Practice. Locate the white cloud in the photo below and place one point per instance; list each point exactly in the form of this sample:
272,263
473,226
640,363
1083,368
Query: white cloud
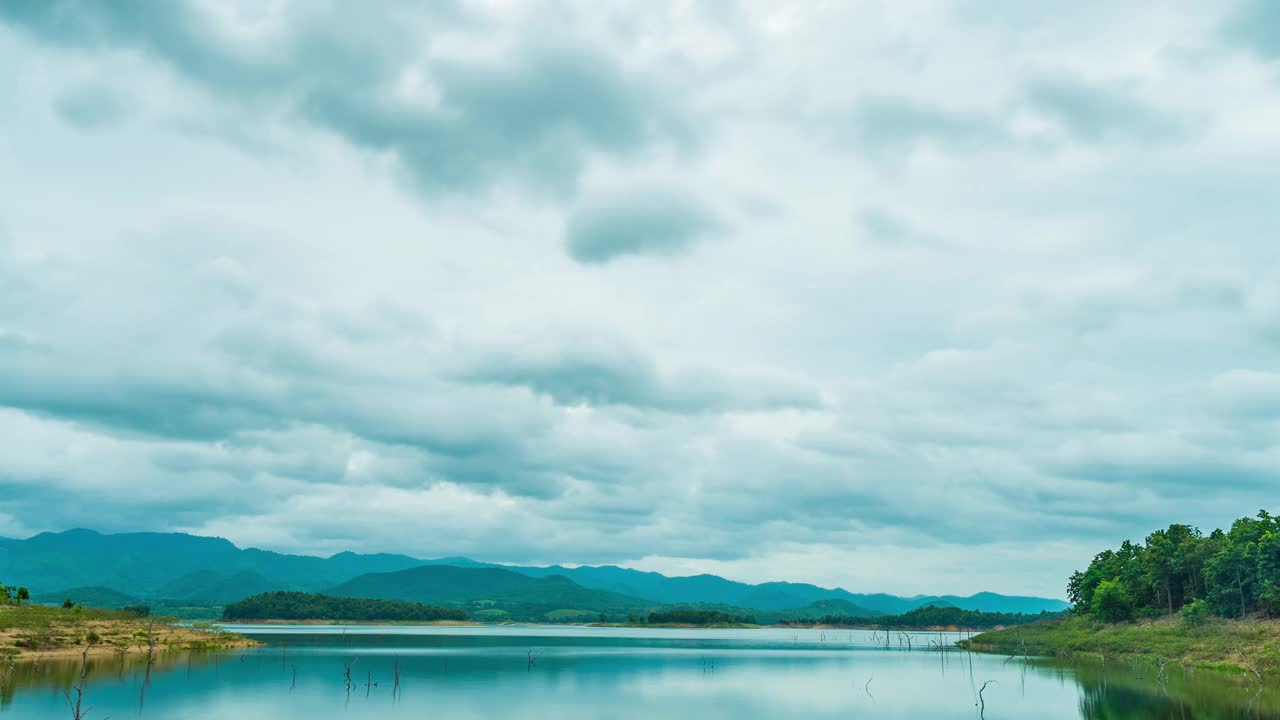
984,283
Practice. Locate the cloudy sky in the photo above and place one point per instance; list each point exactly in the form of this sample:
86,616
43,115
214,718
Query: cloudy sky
900,296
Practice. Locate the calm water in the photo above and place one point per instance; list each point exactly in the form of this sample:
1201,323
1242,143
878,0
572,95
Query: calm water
579,672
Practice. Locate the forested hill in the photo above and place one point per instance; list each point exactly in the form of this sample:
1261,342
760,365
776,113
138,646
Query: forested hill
309,606
1231,573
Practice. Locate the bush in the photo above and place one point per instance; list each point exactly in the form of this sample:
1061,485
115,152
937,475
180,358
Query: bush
1111,602
1194,613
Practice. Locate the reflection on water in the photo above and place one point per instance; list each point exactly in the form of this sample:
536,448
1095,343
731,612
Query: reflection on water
309,672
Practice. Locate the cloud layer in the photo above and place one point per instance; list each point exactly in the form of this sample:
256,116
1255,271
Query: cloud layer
898,297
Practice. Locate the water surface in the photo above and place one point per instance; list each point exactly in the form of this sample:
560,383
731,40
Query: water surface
585,672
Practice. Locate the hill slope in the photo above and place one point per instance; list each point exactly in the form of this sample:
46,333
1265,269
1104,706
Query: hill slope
150,564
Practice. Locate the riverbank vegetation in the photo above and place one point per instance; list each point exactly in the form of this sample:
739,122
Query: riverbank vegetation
1181,595
928,618
1241,645
1233,573
310,606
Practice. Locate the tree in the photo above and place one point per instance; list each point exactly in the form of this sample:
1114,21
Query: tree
6,593
23,595
1234,573
67,604
1111,602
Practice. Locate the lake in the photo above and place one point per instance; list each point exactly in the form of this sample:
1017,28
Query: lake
585,672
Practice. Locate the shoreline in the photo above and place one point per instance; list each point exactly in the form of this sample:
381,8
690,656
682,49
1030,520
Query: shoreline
41,633
1250,646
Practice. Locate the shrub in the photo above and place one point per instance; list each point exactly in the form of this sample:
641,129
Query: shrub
1194,613
1111,602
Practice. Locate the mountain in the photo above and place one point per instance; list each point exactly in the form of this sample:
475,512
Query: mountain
774,596
147,564
211,586
991,602
89,596
175,566
492,593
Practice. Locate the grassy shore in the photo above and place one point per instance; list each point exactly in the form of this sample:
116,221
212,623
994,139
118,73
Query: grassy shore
36,631
1232,645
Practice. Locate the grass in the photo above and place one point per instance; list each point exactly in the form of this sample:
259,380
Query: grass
1228,645
46,631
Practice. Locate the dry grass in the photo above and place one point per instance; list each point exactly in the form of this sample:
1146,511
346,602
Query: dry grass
44,632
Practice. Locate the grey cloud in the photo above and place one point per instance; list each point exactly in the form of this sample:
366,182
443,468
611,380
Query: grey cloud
1094,113
536,115
889,228
639,223
599,375
533,115
1256,26
897,123
90,108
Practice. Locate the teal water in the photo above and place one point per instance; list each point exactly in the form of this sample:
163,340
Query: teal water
583,672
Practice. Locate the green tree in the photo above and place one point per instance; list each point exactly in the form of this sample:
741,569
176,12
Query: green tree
67,604
23,595
1234,573
1111,602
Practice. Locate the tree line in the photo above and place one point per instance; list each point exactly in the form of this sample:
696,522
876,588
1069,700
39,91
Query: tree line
1235,573
929,616
283,605
693,616
13,593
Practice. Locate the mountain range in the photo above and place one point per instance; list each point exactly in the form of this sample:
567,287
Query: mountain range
179,568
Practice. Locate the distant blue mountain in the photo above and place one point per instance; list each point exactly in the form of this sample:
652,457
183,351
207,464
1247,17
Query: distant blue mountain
775,595
177,566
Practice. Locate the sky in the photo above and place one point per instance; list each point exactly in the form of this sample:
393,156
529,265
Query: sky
911,297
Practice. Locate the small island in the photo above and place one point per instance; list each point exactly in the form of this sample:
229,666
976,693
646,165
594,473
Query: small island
284,607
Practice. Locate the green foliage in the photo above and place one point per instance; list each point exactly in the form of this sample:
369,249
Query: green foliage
283,605
1111,602
929,616
1234,573
1194,613
68,604
693,616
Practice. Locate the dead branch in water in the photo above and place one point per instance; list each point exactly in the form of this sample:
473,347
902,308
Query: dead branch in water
1252,669
77,711
982,703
